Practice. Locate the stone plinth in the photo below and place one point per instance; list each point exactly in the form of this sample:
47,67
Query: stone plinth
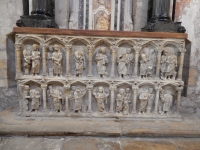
98,74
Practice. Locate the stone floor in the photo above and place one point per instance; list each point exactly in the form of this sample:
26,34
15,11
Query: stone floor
85,143
97,134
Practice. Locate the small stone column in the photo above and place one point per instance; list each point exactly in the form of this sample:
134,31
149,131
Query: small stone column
137,50
89,88
135,89
68,48
90,50
114,49
67,87
44,89
44,59
158,89
18,59
158,64
180,70
112,88
179,90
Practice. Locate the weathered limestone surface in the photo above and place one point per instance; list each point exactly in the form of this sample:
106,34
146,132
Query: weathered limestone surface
72,143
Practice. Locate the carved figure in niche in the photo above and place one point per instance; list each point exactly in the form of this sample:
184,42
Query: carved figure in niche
101,97
120,100
102,22
35,60
77,95
25,98
57,99
147,63
143,98
168,65
124,64
150,100
102,62
35,97
167,100
127,101
101,2
57,61
50,98
80,63
27,61
50,62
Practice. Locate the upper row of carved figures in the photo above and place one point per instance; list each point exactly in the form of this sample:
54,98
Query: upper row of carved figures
102,63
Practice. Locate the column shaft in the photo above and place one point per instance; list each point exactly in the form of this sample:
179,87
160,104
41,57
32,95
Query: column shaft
89,100
67,104
135,73
44,89
44,60
112,74
134,102
178,101
112,98
156,102
18,60
90,63
158,64
180,70
68,48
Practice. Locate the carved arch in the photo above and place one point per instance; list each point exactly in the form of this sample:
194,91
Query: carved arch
176,44
32,81
33,38
147,83
152,43
82,40
130,42
122,83
79,82
101,82
57,82
55,39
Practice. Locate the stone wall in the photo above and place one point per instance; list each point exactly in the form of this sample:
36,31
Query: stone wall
187,11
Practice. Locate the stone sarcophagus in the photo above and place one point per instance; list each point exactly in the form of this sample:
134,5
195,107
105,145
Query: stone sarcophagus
98,73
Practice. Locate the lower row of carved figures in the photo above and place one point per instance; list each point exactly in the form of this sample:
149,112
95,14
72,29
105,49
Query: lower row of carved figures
123,100
124,61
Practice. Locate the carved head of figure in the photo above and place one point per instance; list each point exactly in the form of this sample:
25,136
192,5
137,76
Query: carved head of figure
121,91
51,49
151,90
101,90
128,90
103,50
26,87
143,56
73,88
128,51
35,47
56,48
165,52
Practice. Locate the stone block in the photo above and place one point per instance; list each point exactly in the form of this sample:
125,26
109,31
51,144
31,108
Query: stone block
192,81
3,74
3,64
3,55
3,82
192,73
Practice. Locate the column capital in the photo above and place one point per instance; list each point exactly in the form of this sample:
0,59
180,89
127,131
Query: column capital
158,87
18,46
114,48
44,86
137,48
135,86
89,87
68,47
67,86
113,87
179,88
44,45
182,50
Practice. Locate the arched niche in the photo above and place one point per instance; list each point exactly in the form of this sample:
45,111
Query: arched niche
79,56
148,60
49,52
105,85
98,46
124,62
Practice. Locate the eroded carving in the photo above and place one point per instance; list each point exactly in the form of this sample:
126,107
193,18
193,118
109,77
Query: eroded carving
57,61
35,60
35,100
80,63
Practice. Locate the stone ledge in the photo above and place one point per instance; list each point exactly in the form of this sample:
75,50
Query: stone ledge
13,125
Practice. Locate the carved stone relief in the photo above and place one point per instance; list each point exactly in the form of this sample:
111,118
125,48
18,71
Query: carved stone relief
99,77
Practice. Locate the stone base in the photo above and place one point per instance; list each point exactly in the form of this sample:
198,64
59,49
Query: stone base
36,21
164,26
13,125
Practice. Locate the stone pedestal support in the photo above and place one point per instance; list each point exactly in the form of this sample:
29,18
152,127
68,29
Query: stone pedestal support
158,64
180,70
44,90
44,60
113,88
89,88
18,58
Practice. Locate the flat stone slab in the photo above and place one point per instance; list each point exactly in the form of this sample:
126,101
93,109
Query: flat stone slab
85,143
13,125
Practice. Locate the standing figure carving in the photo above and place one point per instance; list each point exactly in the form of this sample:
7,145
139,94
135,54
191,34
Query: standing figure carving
167,100
147,64
27,61
150,100
57,61
101,97
127,101
35,60
50,62
26,98
168,66
35,97
80,63
78,97
57,100
143,98
120,100
124,64
102,62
